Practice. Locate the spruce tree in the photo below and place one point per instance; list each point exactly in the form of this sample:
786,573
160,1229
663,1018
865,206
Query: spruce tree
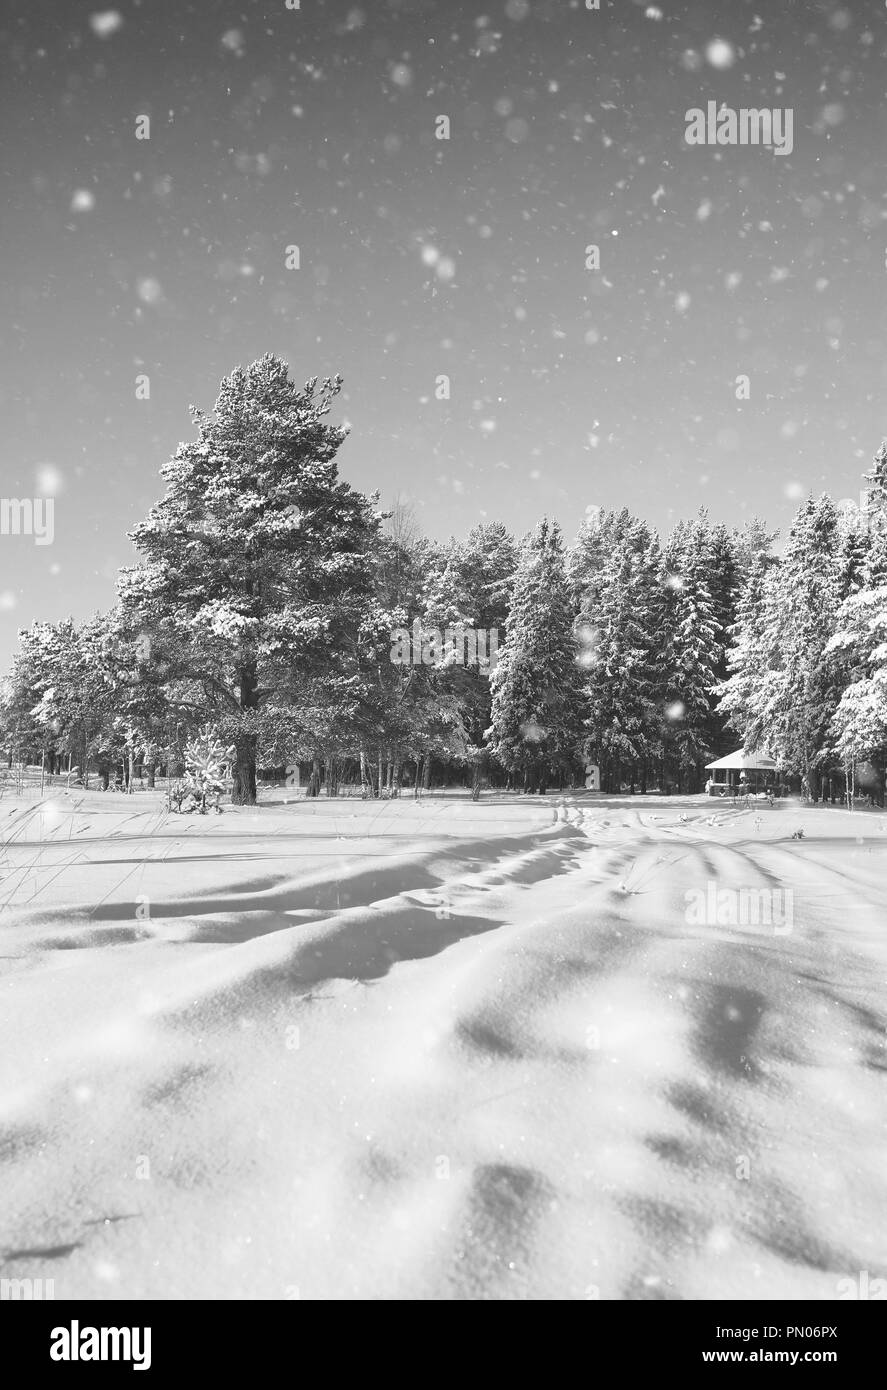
622,631
537,706
694,652
860,643
786,684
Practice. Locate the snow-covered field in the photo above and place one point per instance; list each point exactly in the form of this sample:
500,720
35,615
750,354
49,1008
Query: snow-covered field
448,1050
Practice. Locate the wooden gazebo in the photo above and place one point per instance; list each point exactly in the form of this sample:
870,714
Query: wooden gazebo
757,769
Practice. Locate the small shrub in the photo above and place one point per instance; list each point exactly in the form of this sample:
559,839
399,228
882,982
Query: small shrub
207,763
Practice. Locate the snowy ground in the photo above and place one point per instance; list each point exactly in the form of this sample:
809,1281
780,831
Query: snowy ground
342,1050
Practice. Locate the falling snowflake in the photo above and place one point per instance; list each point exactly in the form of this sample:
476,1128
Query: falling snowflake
233,40
149,291
589,641
720,53
531,731
105,23
49,480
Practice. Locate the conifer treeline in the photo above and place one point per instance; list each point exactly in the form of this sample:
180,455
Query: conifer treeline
269,591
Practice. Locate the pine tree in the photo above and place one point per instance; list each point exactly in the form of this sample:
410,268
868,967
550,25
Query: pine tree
621,628
537,688
860,642
742,696
68,691
468,590
786,686
256,567
695,650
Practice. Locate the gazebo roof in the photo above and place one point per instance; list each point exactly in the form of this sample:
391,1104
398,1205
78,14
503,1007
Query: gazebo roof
742,760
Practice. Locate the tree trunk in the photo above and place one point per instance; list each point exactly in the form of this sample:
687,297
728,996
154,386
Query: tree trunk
366,790
244,792
332,777
151,770
426,773
313,788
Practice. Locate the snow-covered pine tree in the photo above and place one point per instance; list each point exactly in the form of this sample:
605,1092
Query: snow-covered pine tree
694,650
786,685
488,563
537,708
725,583
589,555
860,645
256,557
64,670
750,541
468,590
751,657
619,579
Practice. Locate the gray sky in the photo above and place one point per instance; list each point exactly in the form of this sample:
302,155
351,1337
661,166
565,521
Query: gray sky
269,127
